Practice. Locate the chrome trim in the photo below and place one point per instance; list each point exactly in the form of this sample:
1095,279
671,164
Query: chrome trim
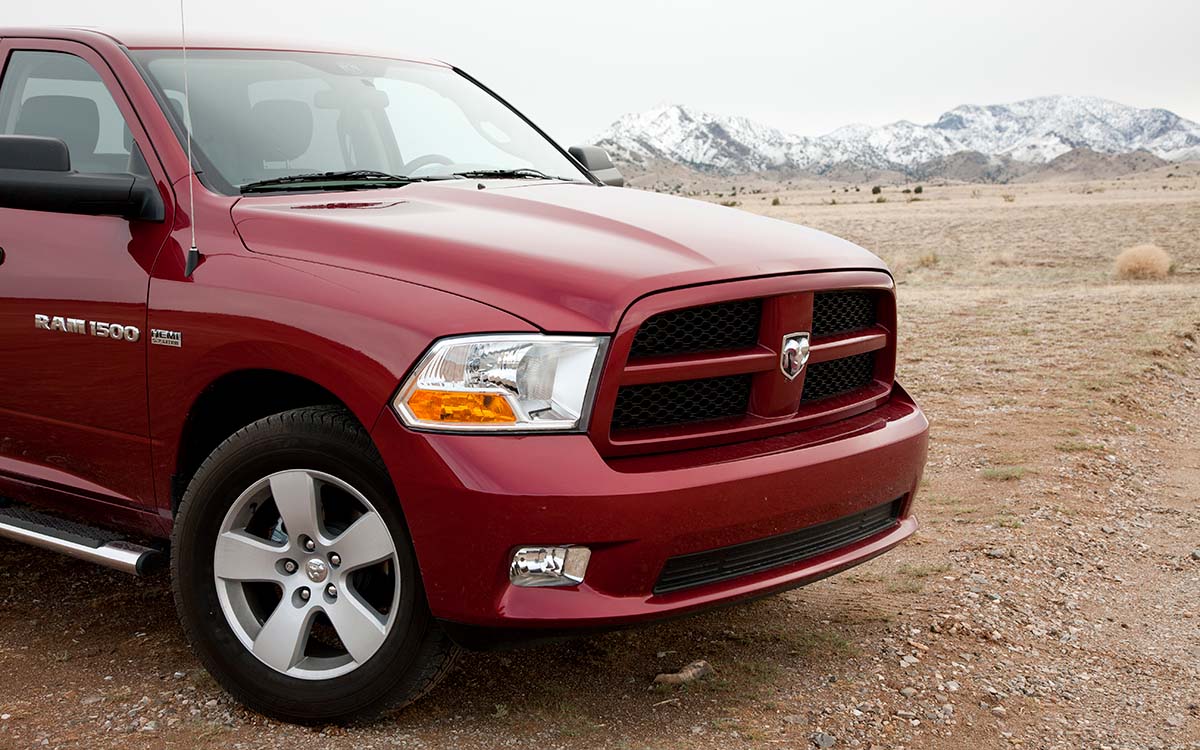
126,557
794,354
549,566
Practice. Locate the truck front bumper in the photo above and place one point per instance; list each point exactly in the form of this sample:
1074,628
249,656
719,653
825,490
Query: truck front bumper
471,500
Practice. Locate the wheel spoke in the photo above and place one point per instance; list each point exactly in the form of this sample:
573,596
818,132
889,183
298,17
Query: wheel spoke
284,635
318,581
361,630
366,542
241,557
295,494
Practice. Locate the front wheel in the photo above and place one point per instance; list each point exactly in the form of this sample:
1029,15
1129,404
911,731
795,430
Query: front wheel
294,575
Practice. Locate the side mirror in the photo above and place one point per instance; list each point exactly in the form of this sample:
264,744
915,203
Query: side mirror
36,175
597,161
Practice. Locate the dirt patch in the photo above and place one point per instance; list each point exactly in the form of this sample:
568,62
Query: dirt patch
1049,600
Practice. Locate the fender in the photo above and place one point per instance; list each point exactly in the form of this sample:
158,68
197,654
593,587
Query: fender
353,334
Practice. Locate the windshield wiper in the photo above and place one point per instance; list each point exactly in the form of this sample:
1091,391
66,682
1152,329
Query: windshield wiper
358,177
508,174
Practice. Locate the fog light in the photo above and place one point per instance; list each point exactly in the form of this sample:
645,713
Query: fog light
549,566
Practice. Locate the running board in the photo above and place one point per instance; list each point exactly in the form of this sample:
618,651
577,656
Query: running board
75,539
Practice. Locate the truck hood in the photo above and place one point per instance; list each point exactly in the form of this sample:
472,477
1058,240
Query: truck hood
564,256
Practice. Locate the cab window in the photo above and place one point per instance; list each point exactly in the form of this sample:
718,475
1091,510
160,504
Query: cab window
59,95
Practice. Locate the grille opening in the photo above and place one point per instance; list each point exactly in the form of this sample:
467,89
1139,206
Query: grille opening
842,312
838,376
724,563
725,326
658,404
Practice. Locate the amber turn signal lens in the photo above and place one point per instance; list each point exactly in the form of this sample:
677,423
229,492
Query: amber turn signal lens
460,407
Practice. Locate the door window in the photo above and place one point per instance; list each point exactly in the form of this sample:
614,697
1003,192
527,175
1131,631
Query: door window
59,95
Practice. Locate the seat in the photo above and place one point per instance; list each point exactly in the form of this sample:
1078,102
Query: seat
284,128
73,119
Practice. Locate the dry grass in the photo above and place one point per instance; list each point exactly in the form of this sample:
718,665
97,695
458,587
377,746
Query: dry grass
1004,473
1143,262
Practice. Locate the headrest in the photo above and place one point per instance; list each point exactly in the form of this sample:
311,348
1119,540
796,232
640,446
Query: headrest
74,119
284,128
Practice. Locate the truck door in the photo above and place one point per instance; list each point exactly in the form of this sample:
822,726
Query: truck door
73,288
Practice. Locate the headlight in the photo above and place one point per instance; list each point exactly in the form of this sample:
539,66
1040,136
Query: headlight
512,382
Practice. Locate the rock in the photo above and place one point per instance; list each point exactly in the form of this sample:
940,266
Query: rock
794,719
908,692
952,686
999,711
1196,554
697,670
996,554
820,739
906,714
5,717
1175,720
91,700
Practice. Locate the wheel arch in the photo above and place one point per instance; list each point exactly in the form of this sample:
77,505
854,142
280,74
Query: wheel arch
235,399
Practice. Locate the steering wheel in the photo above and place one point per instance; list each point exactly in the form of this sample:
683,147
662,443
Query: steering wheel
425,161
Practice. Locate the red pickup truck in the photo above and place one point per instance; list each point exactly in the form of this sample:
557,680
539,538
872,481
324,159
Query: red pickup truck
393,373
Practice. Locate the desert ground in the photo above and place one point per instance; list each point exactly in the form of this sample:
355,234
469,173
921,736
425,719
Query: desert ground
1050,600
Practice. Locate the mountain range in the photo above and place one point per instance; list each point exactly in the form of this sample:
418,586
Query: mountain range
1033,131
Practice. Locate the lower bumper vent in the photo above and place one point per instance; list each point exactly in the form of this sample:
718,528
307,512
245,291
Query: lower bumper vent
712,566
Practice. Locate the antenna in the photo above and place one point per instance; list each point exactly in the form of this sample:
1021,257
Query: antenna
193,256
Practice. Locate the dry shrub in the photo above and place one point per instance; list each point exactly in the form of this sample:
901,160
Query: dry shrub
1143,262
927,260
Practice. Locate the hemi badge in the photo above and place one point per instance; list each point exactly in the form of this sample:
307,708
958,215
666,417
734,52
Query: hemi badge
166,338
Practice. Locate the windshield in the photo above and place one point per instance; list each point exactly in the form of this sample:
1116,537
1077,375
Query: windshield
260,116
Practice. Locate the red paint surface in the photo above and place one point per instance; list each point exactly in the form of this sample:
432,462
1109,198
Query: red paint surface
347,292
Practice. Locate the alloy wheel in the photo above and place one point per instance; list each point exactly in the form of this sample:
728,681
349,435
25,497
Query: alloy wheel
306,574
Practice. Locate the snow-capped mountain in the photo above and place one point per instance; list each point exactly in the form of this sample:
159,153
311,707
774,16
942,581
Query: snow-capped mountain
1034,130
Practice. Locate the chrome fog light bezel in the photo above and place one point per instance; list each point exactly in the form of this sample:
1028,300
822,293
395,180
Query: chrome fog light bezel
535,567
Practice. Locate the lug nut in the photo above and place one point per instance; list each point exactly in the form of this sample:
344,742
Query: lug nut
331,590
309,544
289,566
304,595
335,559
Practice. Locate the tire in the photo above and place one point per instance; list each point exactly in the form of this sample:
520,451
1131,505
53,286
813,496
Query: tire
226,523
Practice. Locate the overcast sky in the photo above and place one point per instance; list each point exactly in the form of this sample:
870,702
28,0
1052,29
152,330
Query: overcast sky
806,67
